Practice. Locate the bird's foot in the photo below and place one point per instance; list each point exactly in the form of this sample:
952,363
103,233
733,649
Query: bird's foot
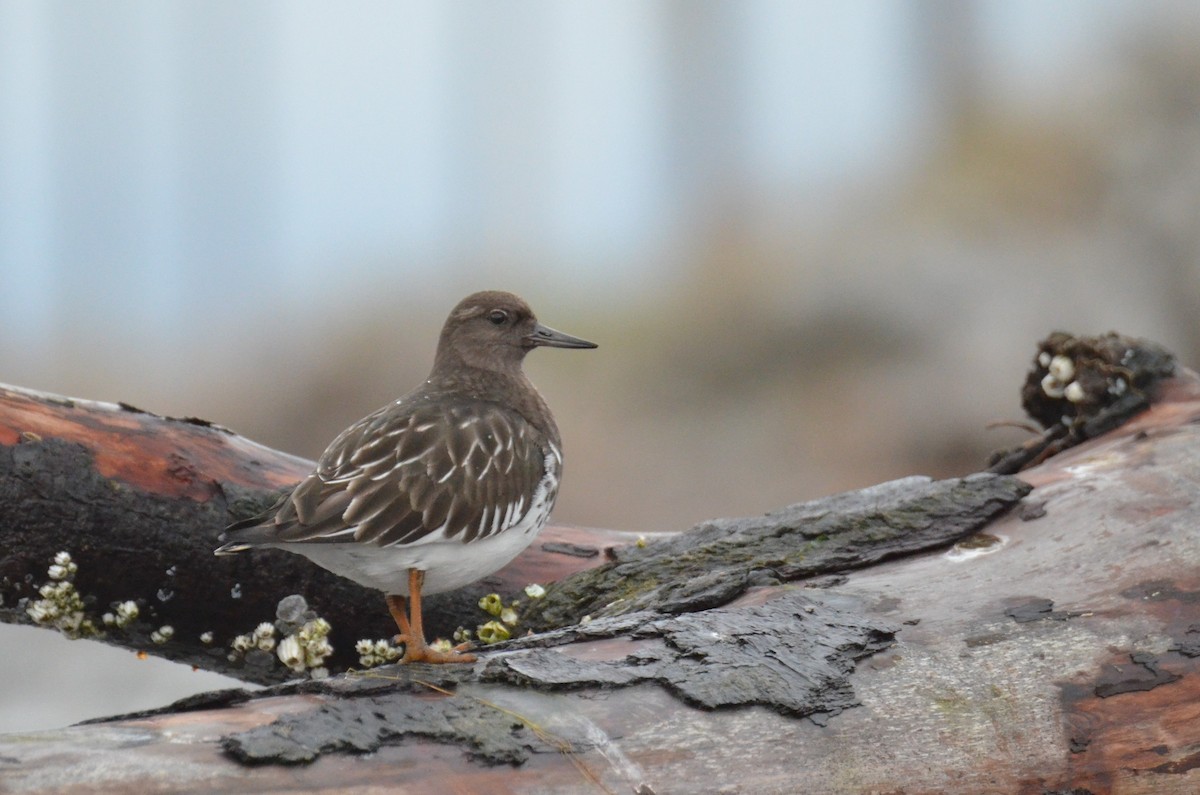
420,651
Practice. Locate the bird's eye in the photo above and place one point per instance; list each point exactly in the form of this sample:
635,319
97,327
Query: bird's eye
498,317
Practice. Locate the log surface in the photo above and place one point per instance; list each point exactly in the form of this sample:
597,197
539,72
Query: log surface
1057,650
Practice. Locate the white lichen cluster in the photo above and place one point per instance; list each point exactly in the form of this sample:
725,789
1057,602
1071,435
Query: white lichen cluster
307,649
162,634
61,606
376,652
63,568
1059,378
263,637
1060,381
304,646
124,614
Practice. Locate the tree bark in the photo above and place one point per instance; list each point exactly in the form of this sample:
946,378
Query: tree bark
1056,650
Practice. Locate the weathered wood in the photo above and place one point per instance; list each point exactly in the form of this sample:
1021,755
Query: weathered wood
138,500
717,561
1055,651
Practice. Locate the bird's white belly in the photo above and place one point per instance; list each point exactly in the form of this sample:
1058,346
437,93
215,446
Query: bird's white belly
447,564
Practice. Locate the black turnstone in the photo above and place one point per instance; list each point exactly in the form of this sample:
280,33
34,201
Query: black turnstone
439,488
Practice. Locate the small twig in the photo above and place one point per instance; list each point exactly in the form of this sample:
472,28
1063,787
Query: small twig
1024,426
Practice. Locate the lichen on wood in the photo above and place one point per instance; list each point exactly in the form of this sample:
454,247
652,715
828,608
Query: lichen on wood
716,561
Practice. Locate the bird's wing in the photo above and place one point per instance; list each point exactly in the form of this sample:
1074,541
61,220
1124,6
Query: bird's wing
438,471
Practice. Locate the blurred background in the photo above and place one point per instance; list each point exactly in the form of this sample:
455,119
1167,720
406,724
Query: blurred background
816,242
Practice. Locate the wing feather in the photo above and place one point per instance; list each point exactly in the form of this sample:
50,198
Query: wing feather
399,475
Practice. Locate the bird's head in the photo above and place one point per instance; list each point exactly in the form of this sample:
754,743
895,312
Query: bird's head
493,330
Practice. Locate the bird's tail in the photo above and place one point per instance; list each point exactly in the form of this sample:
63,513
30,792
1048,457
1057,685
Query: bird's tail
232,548
239,536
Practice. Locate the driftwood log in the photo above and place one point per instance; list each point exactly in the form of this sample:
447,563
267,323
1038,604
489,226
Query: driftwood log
138,501
918,636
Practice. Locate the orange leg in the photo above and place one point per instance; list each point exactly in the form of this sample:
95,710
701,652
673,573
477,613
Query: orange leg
412,630
399,610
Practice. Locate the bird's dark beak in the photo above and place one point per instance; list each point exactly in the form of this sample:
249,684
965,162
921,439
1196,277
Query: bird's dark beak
544,335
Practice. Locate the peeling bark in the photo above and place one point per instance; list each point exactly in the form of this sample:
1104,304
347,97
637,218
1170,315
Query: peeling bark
715,562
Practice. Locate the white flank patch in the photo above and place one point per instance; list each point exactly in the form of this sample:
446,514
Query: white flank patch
448,564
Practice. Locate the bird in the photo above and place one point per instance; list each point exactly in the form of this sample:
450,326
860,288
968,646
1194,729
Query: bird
440,487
